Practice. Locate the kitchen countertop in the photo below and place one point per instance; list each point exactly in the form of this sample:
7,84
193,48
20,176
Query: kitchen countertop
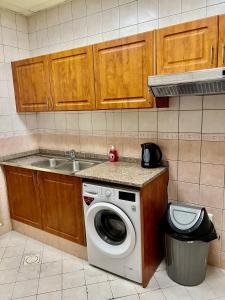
125,173
122,172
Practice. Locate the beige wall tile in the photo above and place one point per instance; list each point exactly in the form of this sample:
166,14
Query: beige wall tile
214,258
130,121
86,143
216,245
211,196
169,149
173,169
85,120
99,145
172,190
213,152
214,102
147,121
131,148
188,192
114,120
223,220
217,216
191,103
190,121
212,175
223,240
188,172
189,150
213,121
98,121
168,121
222,260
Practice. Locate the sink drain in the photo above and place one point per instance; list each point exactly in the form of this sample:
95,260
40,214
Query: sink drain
31,259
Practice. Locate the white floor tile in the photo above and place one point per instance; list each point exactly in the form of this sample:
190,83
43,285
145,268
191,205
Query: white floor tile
25,288
201,292
8,276
163,279
50,296
153,295
10,263
176,293
62,276
51,268
122,288
72,265
100,291
28,298
218,286
71,280
13,251
153,285
75,293
2,250
94,275
132,297
51,254
28,272
50,284
6,291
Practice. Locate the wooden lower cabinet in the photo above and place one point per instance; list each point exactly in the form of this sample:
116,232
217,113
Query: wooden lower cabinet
62,211
48,201
23,197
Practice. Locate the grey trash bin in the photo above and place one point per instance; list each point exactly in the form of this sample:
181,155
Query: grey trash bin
188,231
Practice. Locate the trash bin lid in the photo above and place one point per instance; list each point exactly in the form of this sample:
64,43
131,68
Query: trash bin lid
184,217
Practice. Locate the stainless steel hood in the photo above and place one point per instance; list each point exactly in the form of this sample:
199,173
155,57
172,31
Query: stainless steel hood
203,82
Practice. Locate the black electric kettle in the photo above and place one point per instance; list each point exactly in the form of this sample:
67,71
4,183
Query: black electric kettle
151,155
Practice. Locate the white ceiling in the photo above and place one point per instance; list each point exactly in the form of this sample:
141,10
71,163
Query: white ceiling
28,7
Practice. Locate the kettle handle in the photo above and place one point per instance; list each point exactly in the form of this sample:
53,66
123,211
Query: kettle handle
160,153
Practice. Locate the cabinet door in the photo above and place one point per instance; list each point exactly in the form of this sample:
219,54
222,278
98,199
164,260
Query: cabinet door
61,202
31,84
121,70
189,46
23,197
221,49
72,79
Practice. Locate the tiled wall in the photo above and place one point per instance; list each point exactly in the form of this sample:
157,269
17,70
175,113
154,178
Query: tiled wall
16,130
191,132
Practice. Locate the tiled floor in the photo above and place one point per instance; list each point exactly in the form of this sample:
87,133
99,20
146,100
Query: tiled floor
58,275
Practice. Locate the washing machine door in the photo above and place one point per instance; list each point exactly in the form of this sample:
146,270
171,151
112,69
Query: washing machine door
110,230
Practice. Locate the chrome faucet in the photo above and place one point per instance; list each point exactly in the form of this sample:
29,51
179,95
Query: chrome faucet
71,154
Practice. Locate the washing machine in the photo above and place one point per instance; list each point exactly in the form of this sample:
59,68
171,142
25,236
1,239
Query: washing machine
113,229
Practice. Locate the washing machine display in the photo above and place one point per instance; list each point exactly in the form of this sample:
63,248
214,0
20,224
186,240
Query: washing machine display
112,221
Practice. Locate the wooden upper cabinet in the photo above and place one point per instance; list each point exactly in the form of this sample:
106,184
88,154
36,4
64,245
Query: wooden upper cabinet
23,196
31,84
121,70
188,46
221,48
61,201
72,79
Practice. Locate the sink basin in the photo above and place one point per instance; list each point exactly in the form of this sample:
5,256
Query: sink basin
75,166
50,163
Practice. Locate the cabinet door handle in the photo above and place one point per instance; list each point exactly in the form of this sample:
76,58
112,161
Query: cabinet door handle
223,46
211,54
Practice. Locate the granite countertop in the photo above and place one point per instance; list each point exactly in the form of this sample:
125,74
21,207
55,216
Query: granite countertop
125,173
128,173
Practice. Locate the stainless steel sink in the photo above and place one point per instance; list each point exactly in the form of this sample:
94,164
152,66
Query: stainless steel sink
64,165
74,166
50,163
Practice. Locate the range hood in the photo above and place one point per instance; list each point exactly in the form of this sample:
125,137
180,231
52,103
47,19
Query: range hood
203,82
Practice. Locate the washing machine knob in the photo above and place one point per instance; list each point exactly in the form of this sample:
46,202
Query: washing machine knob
108,193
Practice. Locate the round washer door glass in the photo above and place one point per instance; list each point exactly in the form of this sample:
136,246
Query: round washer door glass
110,230
110,227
